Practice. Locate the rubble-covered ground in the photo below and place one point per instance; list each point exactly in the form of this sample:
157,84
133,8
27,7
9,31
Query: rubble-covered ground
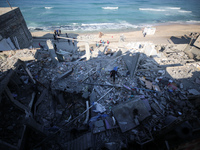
63,100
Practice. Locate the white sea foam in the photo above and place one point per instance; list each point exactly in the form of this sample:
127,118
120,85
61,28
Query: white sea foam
48,7
151,9
175,8
109,7
193,21
97,26
184,11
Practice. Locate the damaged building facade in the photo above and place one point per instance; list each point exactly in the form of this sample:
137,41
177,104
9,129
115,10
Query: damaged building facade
14,33
67,100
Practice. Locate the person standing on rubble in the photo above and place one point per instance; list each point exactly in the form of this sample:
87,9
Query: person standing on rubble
42,47
113,73
55,47
57,33
54,37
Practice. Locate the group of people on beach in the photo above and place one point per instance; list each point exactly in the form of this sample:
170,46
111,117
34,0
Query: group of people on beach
56,33
101,42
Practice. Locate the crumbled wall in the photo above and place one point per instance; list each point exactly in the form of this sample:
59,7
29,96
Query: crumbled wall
12,24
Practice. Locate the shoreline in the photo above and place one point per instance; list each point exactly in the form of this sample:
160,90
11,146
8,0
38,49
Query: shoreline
163,34
119,30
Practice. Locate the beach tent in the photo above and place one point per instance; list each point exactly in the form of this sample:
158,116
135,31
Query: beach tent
149,30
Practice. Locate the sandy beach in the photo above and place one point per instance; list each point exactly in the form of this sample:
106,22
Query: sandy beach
164,34
162,31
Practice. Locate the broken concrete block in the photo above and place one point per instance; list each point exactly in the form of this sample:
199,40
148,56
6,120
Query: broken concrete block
118,53
85,95
87,50
194,92
148,84
197,80
156,88
131,62
99,108
125,116
52,53
99,126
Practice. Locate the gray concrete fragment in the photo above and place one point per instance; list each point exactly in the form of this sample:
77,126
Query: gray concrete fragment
61,99
85,95
87,50
125,116
194,92
66,74
52,53
99,126
118,53
44,93
131,62
18,104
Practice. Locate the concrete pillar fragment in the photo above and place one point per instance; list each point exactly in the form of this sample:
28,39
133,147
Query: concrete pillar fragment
52,52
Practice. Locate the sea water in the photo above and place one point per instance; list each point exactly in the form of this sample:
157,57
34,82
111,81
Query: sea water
104,15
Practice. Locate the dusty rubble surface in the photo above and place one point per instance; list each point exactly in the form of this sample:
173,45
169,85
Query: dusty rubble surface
67,102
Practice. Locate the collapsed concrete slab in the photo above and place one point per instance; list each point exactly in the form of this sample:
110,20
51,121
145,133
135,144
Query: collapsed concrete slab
130,113
52,53
131,61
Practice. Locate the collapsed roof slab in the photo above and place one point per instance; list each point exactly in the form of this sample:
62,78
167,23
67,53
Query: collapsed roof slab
124,114
131,61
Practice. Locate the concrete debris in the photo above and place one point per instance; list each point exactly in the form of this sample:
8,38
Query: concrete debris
194,92
67,99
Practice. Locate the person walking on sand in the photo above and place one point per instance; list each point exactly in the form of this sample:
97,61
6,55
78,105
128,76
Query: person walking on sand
68,41
59,31
66,35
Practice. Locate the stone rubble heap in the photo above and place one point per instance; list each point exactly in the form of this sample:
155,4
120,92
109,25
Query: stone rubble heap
154,97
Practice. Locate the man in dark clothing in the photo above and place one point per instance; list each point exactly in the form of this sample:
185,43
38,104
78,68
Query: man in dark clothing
68,41
55,33
42,47
59,31
113,73
66,35
54,37
55,47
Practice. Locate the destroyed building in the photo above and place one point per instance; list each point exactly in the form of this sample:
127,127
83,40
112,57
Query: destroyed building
14,33
66,99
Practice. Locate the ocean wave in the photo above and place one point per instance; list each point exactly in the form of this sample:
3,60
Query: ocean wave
48,7
109,8
193,21
174,8
185,11
151,9
89,27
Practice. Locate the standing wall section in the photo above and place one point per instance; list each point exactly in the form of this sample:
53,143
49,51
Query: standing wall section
12,24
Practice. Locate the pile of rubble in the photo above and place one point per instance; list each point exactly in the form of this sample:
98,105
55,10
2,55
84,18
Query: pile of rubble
74,104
